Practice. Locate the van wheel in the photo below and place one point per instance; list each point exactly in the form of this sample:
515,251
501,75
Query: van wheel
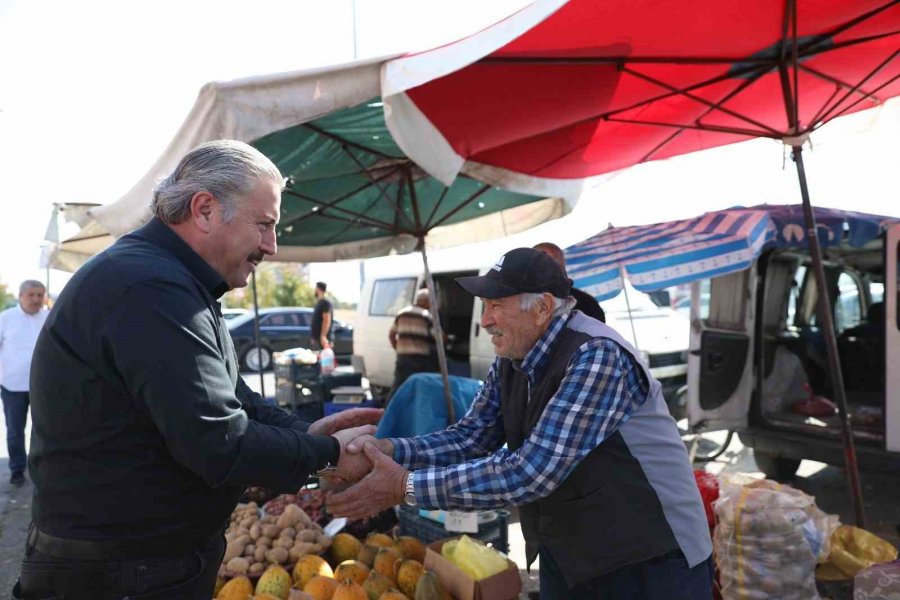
779,468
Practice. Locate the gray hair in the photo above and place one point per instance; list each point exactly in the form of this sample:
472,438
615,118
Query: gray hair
28,284
560,305
227,169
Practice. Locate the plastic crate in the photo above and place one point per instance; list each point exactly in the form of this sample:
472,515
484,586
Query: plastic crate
294,394
295,371
495,533
336,380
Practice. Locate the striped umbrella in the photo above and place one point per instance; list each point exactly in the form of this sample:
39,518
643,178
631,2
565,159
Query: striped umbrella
657,256
665,254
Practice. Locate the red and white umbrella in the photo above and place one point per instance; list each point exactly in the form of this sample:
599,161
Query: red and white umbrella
563,91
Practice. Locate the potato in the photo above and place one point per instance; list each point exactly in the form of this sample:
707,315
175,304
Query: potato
307,535
259,555
257,567
264,541
277,555
255,531
271,531
285,520
249,549
283,542
304,548
238,565
233,549
289,532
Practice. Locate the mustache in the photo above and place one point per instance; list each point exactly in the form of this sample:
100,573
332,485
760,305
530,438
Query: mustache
256,257
493,330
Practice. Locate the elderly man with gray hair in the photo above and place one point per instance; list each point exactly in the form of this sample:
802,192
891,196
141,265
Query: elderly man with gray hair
569,426
19,329
144,432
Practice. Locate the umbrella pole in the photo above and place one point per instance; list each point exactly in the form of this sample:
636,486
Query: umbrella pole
262,383
834,361
439,334
628,306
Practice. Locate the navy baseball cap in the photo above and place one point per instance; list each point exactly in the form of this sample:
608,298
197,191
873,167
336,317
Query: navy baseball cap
519,271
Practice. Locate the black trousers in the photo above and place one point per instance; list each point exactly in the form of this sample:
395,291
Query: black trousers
187,575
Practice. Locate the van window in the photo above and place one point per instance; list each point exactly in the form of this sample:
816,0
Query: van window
794,305
728,296
848,310
389,296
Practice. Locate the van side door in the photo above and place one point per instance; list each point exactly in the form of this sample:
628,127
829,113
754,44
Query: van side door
720,361
892,340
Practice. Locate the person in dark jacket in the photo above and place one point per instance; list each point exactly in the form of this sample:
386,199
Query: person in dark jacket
583,301
144,432
572,428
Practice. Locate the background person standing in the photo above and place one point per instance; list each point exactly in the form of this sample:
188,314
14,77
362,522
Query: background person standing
19,329
583,301
412,336
320,330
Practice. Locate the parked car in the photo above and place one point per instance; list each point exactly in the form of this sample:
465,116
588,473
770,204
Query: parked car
279,329
233,313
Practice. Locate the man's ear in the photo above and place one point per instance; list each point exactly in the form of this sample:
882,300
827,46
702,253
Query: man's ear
202,205
546,305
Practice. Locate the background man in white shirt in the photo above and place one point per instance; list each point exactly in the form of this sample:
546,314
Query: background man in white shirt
19,329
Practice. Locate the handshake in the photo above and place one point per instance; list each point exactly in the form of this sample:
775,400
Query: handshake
366,480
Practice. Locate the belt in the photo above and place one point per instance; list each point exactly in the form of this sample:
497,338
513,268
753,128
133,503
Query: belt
103,549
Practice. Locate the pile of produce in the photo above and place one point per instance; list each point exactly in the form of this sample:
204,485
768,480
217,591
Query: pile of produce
257,494
377,568
255,543
311,500
768,539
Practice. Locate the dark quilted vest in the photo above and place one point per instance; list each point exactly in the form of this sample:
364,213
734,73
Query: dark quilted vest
605,515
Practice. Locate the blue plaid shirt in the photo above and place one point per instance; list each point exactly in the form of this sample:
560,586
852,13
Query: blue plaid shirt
467,466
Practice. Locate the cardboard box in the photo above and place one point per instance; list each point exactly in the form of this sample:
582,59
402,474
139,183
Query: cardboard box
506,585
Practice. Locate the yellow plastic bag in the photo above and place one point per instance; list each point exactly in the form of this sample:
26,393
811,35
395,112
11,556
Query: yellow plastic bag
476,560
852,550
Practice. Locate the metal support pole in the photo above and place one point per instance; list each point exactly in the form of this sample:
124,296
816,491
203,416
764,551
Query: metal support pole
827,325
262,382
439,334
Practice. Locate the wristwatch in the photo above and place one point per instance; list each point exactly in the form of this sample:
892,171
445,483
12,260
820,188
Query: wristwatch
410,497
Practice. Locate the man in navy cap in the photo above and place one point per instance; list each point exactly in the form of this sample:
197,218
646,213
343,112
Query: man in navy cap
593,459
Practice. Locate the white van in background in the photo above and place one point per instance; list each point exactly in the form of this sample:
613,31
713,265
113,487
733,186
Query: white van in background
662,334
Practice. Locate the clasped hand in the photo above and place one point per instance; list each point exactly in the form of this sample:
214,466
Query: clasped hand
383,487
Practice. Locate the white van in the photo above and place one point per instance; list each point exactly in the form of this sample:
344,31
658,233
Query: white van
662,334
757,341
